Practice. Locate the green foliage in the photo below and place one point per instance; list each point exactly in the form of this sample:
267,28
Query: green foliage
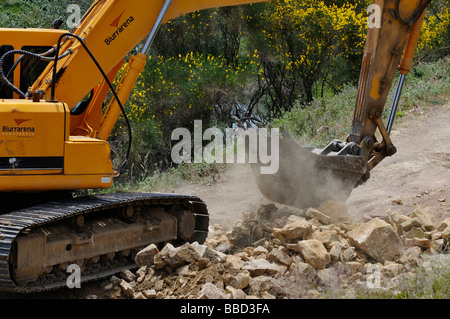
435,35
36,13
306,44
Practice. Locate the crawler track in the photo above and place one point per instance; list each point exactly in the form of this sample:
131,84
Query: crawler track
20,223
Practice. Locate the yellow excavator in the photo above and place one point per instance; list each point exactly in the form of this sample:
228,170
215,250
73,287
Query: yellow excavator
55,126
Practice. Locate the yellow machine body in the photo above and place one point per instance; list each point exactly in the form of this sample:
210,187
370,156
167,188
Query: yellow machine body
37,152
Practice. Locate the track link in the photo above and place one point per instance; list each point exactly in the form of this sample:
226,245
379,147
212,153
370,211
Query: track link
19,223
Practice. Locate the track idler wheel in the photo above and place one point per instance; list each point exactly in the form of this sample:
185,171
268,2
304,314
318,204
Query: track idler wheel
185,224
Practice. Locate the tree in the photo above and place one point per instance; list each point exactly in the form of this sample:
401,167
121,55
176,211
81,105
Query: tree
304,44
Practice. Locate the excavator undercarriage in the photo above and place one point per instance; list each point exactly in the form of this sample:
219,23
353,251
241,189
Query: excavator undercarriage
101,234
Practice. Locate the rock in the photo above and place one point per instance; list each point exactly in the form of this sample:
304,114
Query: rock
314,213
149,293
200,249
159,285
410,223
337,211
347,254
260,284
279,256
127,289
375,214
92,297
141,273
128,275
446,233
248,217
146,256
312,294
355,277
260,267
235,262
203,263
377,239
265,212
328,276
410,255
353,267
294,230
314,253
391,269
335,251
210,291
236,293
224,248
421,242
176,257
183,270
214,255
305,273
414,232
139,295
240,236
324,236
115,281
239,281
260,250
444,224
108,287
266,295
424,216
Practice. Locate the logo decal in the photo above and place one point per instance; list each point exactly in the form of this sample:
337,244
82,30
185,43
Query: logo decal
120,28
20,121
18,130
115,23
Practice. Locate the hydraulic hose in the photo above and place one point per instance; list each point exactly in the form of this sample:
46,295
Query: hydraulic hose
23,53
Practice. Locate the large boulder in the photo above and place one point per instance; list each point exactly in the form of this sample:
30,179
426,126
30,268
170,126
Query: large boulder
377,239
424,216
146,256
297,228
314,253
176,257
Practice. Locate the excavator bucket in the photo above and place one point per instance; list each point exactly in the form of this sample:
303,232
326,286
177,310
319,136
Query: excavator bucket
308,176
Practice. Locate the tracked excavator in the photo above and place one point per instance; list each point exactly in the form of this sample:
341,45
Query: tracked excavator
55,125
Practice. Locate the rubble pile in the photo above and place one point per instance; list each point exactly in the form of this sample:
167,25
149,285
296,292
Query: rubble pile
287,253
